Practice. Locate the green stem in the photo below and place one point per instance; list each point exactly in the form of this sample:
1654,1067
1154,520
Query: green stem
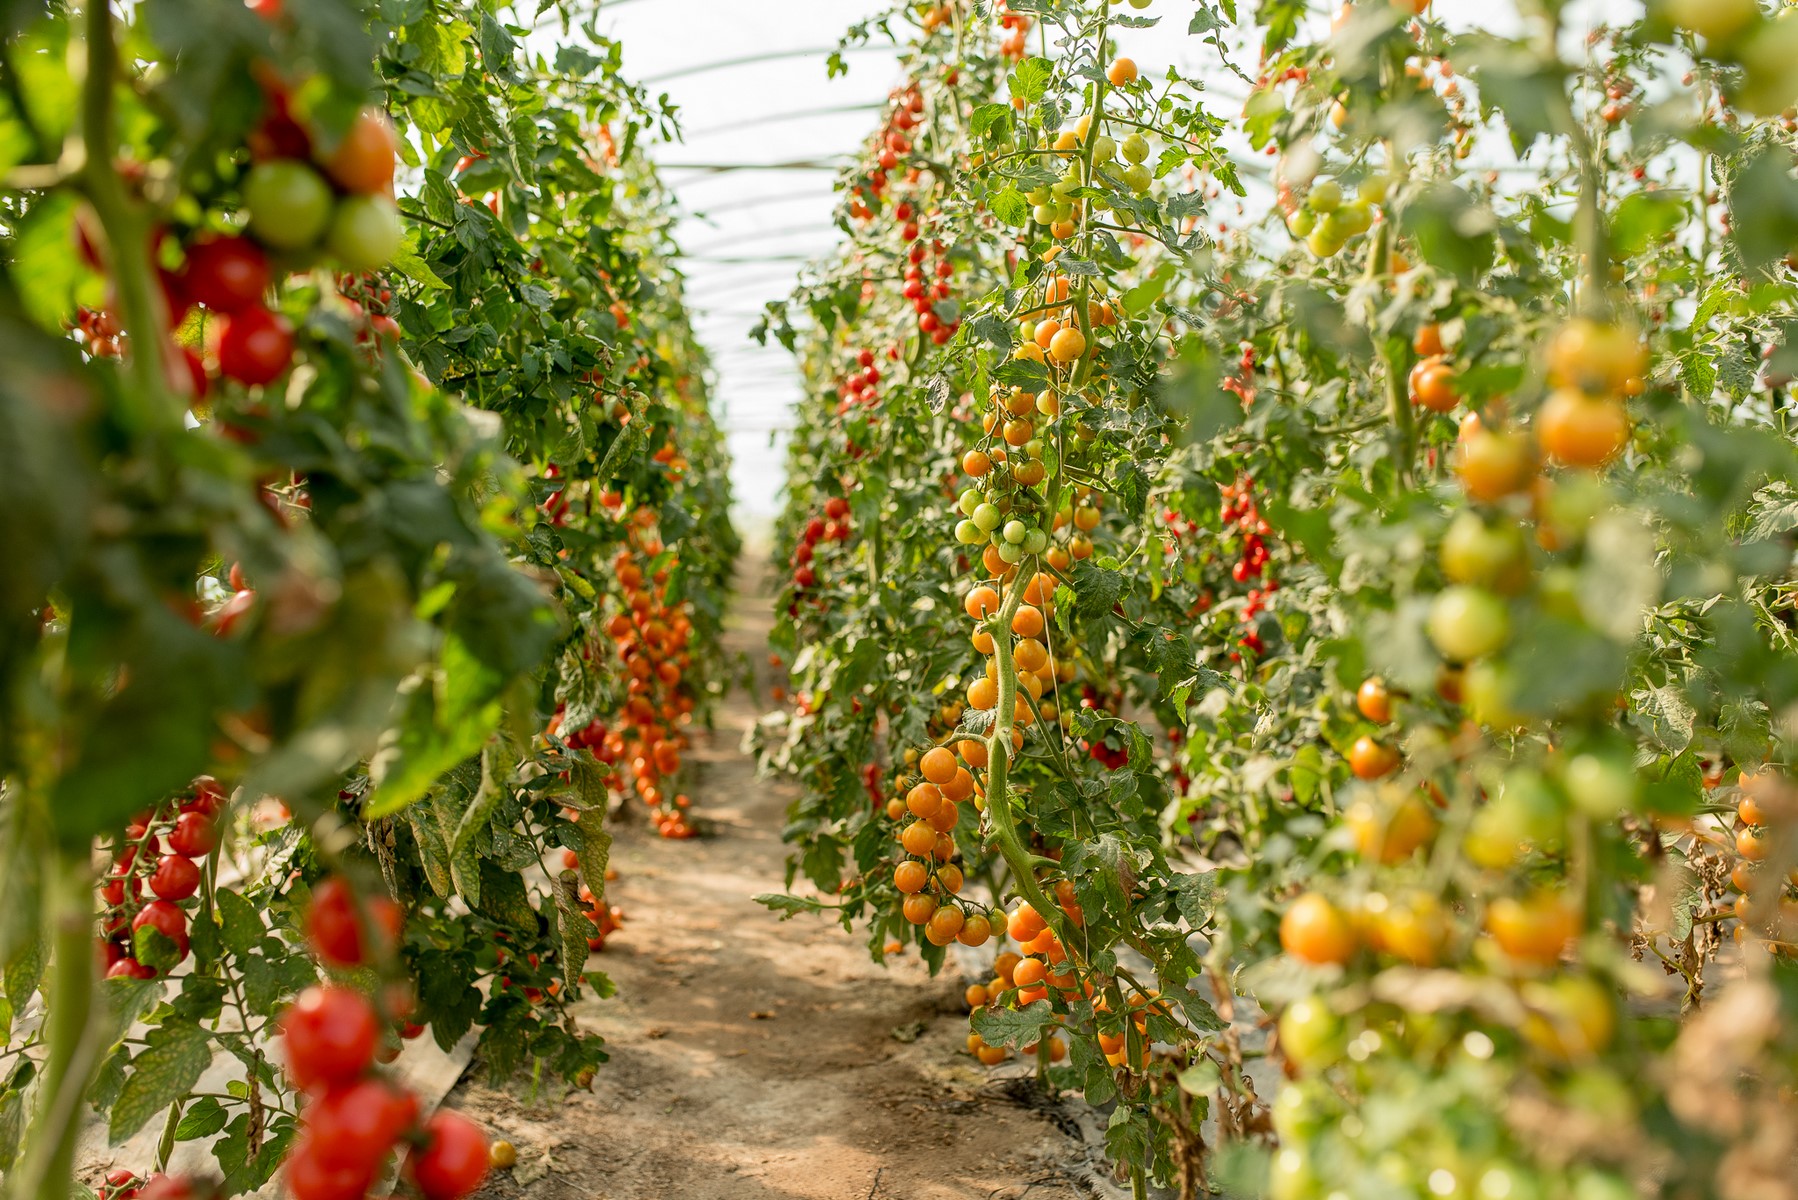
145,402
1398,404
998,799
70,1059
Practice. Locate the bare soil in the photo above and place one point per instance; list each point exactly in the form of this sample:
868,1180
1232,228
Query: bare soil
759,1060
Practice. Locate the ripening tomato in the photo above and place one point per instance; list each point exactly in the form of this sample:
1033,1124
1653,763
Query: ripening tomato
165,919
1373,700
330,1035
363,160
1580,430
1310,1033
1369,759
226,274
255,347
1433,385
1492,464
1315,931
1535,929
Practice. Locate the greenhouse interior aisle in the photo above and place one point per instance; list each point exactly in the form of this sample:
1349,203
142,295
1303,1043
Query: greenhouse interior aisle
756,1060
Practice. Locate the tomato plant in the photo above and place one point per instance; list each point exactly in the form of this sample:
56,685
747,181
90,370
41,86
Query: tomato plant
301,615
1391,479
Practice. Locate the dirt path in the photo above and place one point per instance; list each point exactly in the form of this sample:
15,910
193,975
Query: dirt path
756,1060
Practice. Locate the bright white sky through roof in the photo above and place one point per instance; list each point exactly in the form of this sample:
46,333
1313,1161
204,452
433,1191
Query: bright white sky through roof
746,234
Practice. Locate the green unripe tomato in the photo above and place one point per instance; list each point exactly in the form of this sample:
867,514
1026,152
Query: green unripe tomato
1063,210
1468,623
1035,542
1322,244
1011,553
1373,189
1043,214
969,500
1356,217
1770,56
1037,195
1015,530
1336,226
1138,177
1494,556
1489,691
1714,20
985,517
1300,222
1064,187
1124,217
967,533
1140,4
1289,1177
1136,148
1325,196
1311,1034
1103,148
1600,786
289,204
365,232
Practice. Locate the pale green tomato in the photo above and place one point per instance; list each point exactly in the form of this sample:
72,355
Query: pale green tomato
1468,623
1325,196
1037,195
1103,148
1011,553
1035,542
1043,214
1713,20
1356,216
1138,178
969,500
365,232
967,533
1600,786
1373,189
1494,556
1310,1034
1015,530
985,517
1136,148
1300,222
1321,244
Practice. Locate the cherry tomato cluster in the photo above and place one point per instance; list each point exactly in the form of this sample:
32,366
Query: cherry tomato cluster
161,851
888,149
859,385
1014,45
650,637
1240,511
830,527
353,1118
127,1185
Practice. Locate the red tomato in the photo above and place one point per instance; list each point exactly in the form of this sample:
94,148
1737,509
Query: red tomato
356,1125
194,835
310,1177
165,919
332,928
454,1160
255,347
226,274
330,1034
176,877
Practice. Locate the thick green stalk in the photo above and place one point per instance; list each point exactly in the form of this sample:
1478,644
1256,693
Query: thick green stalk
70,1059
145,401
1398,404
998,800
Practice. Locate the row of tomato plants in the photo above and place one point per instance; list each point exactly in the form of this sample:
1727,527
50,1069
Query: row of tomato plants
366,542
1306,586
